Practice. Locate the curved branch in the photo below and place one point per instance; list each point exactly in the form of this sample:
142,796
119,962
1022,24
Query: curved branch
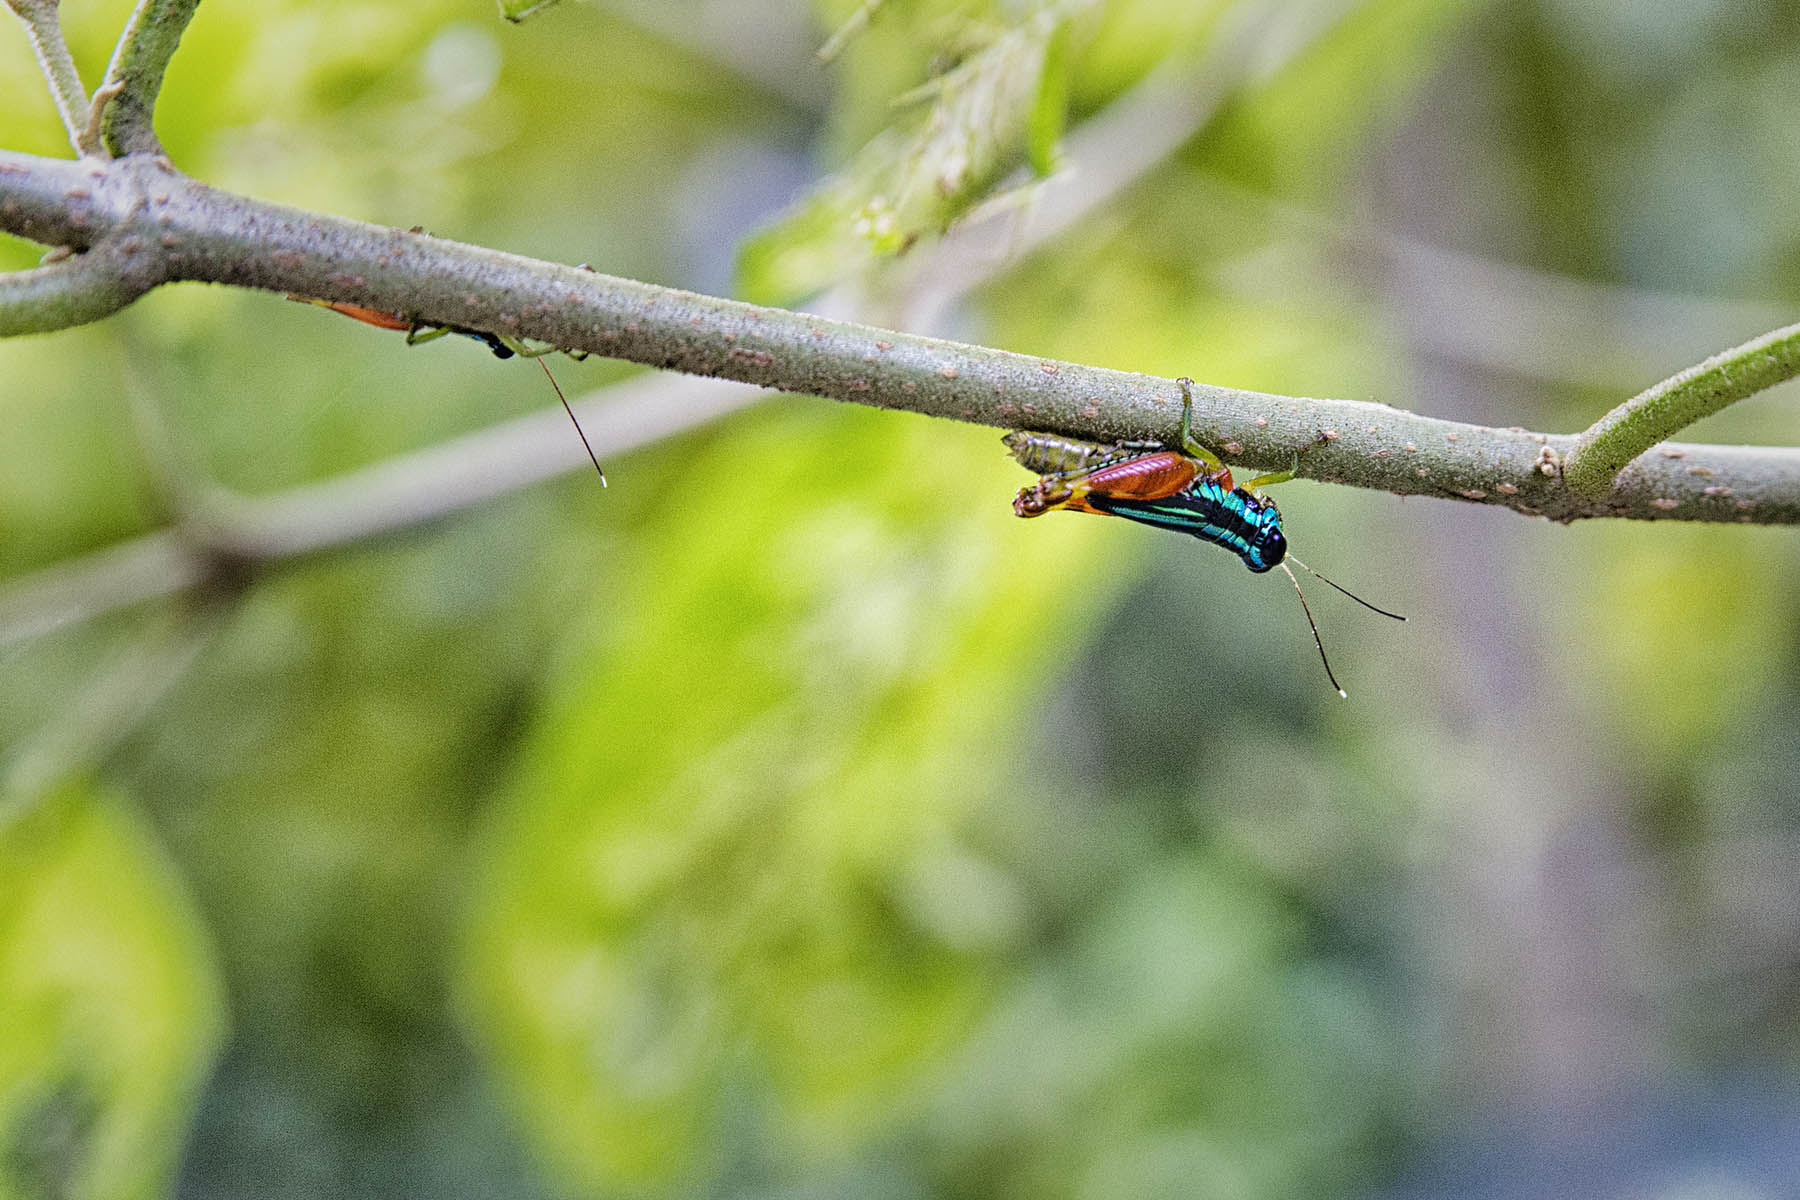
1678,401
186,230
43,23
135,75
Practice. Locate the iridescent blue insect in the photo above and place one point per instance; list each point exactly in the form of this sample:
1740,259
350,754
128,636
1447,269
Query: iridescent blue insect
1188,490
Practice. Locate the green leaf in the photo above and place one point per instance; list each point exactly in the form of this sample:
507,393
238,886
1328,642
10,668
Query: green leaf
730,894
517,10
110,1006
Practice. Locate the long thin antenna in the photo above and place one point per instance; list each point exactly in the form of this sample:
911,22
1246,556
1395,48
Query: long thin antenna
595,458
1372,608
1292,578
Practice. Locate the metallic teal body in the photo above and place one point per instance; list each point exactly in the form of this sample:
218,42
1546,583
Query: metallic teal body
1244,523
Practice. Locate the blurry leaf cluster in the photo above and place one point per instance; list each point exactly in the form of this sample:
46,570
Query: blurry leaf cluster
993,97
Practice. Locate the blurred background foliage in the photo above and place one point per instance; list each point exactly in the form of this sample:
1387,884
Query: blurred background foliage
789,820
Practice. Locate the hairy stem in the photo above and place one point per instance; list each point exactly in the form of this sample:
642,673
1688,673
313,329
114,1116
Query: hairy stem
43,24
1677,402
169,227
136,71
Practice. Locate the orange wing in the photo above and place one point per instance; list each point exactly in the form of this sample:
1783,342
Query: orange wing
1151,476
1146,477
380,318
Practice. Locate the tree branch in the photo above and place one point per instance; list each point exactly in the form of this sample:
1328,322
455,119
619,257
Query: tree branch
174,228
44,25
136,72
414,490
1655,413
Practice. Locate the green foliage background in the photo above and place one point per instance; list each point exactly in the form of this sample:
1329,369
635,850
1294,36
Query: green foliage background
790,820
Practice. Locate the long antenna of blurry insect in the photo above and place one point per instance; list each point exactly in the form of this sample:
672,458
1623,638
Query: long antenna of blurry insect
418,332
582,434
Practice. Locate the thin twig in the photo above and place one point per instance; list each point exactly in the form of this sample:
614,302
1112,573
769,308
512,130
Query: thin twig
1677,402
44,25
138,62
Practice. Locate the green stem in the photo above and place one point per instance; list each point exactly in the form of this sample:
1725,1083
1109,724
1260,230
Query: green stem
138,63
42,23
1652,415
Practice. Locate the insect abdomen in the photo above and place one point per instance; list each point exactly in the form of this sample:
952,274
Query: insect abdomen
1244,524
1048,454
